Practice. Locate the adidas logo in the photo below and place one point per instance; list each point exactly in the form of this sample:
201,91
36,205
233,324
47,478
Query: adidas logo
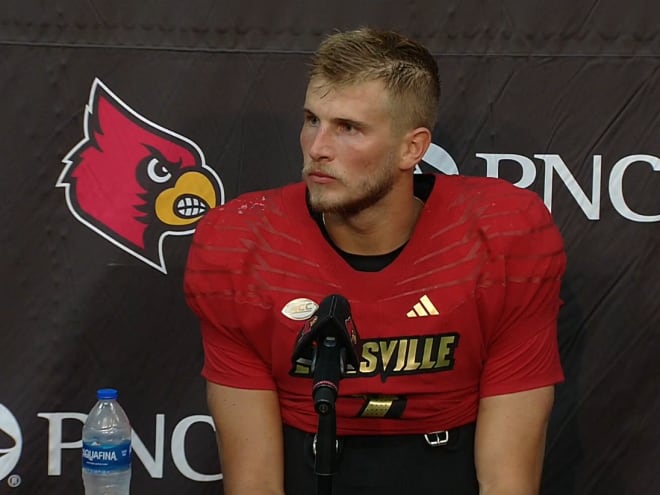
423,308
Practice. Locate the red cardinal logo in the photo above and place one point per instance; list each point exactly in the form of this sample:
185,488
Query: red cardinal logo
134,182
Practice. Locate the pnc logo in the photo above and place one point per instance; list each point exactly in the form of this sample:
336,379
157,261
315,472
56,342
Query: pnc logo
11,442
550,167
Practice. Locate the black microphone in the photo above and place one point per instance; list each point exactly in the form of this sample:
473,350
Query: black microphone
330,341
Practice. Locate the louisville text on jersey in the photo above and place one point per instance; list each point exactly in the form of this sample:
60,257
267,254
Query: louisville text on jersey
399,356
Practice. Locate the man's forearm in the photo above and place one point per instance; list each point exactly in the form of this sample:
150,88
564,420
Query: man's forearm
509,489
252,490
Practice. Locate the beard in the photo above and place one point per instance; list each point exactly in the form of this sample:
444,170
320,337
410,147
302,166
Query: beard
357,196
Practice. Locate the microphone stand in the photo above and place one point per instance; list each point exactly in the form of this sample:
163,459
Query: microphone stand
330,342
328,367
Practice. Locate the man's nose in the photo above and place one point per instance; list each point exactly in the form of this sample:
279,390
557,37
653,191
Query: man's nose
321,146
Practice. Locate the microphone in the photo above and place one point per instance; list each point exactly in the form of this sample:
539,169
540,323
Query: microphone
330,342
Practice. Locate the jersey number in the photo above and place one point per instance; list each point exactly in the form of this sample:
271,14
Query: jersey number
383,406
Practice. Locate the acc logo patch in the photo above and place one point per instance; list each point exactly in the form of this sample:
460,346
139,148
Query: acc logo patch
134,182
299,309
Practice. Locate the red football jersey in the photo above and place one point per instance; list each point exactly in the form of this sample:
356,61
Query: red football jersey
468,309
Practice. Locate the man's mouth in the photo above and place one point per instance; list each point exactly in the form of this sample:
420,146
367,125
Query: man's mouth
319,177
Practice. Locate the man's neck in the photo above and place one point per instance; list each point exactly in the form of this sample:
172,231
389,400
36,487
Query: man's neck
378,230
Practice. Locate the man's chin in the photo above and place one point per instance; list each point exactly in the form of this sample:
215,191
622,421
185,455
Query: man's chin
325,207
343,206
321,203
343,209
319,207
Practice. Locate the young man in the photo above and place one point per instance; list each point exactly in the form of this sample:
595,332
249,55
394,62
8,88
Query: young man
453,283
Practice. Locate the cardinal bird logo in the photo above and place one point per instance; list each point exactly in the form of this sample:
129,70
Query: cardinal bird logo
134,182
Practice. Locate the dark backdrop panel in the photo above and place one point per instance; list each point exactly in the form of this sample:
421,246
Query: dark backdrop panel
454,26
539,83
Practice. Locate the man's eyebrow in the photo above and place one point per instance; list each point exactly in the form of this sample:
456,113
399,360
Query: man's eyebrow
351,122
339,120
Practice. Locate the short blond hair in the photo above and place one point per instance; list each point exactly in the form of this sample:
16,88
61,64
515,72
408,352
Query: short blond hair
406,68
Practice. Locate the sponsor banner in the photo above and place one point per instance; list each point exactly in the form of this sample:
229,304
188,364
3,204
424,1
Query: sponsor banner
167,450
121,129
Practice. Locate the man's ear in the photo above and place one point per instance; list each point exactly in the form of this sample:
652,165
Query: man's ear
415,144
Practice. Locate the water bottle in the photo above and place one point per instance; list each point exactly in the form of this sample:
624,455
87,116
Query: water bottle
106,449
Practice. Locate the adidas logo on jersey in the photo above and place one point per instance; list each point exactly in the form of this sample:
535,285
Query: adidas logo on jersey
423,308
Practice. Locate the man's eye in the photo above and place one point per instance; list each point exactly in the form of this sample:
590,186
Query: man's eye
311,119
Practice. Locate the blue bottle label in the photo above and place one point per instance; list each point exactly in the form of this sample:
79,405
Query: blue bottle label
106,457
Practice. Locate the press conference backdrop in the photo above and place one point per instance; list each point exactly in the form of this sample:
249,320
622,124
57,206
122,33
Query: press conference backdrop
562,98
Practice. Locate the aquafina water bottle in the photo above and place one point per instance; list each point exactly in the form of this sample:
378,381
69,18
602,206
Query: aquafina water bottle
106,449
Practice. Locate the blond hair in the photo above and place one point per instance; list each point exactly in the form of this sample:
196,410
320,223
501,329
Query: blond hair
406,68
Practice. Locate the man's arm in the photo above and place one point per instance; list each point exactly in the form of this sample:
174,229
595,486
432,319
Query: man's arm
510,441
249,438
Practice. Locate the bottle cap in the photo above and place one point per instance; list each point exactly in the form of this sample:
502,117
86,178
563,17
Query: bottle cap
107,394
